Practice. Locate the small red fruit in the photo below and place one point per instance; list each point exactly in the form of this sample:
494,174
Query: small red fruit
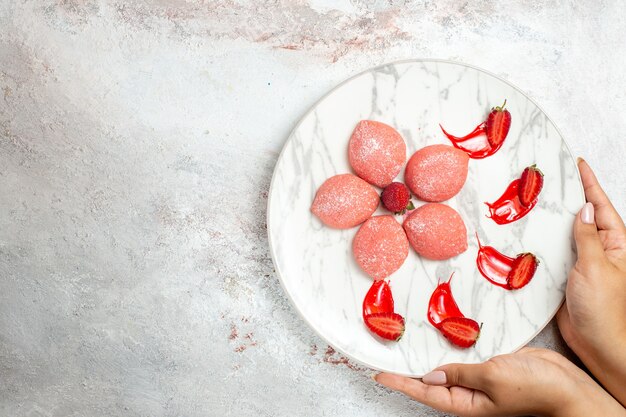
498,125
389,326
460,331
530,185
378,299
522,270
396,198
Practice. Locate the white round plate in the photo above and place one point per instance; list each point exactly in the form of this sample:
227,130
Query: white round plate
315,263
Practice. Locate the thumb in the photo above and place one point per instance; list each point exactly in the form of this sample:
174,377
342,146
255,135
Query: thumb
588,243
607,218
472,376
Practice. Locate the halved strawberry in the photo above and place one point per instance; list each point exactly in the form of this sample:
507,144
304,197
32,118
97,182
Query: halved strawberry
522,271
389,326
498,125
530,185
396,198
378,299
460,331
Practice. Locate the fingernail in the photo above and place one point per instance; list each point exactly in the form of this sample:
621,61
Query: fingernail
586,214
434,378
373,376
579,160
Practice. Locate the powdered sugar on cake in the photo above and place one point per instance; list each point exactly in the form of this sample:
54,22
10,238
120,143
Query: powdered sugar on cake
345,201
376,152
436,231
380,246
437,172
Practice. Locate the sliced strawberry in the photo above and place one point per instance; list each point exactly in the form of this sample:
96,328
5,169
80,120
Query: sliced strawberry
530,185
460,331
396,198
522,271
389,326
378,299
498,125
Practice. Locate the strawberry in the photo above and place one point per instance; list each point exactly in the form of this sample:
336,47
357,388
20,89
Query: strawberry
498,125
460,331
396,198
389,326
522,270
530,185
378,299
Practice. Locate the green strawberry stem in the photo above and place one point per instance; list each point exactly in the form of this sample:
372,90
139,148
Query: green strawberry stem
500,108
480,329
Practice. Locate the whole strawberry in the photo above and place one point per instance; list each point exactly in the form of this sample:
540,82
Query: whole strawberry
396,198
530,185
498,125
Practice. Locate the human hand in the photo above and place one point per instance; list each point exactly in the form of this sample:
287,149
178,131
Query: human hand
532,381
592,318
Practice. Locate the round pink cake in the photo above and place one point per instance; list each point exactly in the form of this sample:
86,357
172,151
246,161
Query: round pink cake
344,201
380,246
436,231
436,172
376,152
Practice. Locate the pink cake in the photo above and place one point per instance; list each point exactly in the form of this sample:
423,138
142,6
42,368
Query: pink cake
436,231
344,201
380,246
376,152
436,172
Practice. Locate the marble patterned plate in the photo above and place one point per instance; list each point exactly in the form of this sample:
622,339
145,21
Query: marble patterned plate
315,263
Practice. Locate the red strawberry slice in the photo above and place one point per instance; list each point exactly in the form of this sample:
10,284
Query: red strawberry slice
378,299
460,331
396,198
522,271
498,125
530,185
389,326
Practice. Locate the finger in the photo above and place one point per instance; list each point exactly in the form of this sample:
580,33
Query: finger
456,400
607,218
588,242
434,396
475,376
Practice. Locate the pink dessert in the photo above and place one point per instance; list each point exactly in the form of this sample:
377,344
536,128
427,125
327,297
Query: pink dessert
380,246
376,152
436,231
436,172
344,201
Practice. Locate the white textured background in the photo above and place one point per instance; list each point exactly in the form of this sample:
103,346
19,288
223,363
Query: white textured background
137,142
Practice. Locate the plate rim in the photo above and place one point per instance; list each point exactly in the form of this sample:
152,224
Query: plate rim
290,137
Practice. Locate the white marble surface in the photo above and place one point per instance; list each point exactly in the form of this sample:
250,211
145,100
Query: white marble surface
316,263
137,141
